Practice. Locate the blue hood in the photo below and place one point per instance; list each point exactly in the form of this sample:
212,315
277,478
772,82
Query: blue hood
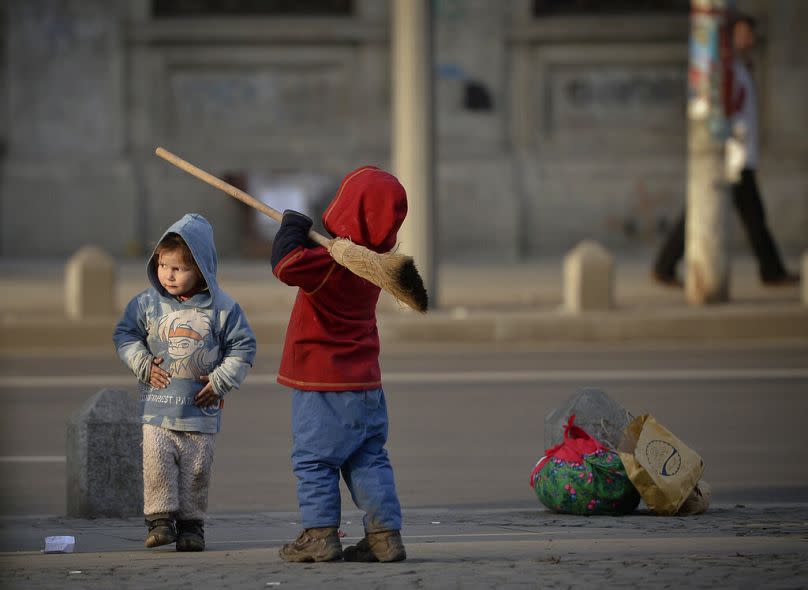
198,234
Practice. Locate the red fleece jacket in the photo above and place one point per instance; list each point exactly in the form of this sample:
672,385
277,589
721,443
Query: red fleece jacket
332,343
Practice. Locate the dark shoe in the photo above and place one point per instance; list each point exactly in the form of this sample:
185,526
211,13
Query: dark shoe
161,530
317,544
784,280
190,535
666,280
385,546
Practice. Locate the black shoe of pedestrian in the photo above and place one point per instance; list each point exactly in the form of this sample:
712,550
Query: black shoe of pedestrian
161,530
666,280
190,535
784,280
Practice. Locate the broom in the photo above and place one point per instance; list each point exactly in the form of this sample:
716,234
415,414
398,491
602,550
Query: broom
393,272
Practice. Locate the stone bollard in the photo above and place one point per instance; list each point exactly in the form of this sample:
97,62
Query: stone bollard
104,457
89,284
588,278
804,278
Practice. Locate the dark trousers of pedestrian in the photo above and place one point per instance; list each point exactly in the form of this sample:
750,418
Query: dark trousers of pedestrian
746,198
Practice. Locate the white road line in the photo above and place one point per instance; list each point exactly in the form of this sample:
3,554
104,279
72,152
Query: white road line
32,459
590,375
594,375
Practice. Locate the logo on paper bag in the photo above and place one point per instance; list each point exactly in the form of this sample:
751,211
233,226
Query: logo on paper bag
663,457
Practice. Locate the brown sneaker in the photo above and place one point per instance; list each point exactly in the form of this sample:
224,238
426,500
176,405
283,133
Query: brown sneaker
385,546
318,544
161,530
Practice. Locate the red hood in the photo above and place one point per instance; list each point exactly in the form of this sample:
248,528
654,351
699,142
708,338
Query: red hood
369,208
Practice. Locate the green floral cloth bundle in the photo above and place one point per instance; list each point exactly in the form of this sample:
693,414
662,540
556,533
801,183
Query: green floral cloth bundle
581,476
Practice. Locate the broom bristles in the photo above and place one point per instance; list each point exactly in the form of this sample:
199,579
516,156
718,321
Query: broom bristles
391,271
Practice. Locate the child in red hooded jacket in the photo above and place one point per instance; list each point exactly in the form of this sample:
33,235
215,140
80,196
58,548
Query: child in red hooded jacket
331,360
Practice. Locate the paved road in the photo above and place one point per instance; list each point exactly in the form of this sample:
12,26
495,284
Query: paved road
466,423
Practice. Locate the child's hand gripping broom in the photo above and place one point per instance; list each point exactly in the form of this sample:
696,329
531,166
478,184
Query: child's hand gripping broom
393,272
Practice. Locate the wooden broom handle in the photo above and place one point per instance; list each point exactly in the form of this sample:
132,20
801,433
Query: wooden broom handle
232,191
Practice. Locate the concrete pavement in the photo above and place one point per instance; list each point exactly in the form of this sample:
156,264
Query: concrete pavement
731,546
516,302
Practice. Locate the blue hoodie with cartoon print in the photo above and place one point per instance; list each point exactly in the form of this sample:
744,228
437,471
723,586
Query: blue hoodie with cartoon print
207,334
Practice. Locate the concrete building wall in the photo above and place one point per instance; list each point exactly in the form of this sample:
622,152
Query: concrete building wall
261,99
477,198
4,77
549,130
598,125
783,79
66,178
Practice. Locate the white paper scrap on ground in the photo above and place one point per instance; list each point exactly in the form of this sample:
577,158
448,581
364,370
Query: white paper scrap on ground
60,544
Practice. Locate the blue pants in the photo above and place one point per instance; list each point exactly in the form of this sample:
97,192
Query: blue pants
343,431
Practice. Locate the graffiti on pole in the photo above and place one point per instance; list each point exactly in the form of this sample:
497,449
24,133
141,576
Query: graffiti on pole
708,62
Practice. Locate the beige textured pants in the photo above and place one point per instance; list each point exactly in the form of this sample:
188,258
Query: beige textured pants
176,472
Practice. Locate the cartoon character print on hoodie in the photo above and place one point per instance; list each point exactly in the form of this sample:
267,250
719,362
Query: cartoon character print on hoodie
205,335
186,332
332,342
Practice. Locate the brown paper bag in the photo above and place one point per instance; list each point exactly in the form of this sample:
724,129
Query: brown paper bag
662,468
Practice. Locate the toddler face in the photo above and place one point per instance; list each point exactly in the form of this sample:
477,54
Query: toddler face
175,274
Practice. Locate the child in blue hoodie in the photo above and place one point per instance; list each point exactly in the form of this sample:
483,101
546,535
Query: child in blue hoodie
189,344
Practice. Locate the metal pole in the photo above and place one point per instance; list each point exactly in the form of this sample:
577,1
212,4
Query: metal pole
707,224
413,133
